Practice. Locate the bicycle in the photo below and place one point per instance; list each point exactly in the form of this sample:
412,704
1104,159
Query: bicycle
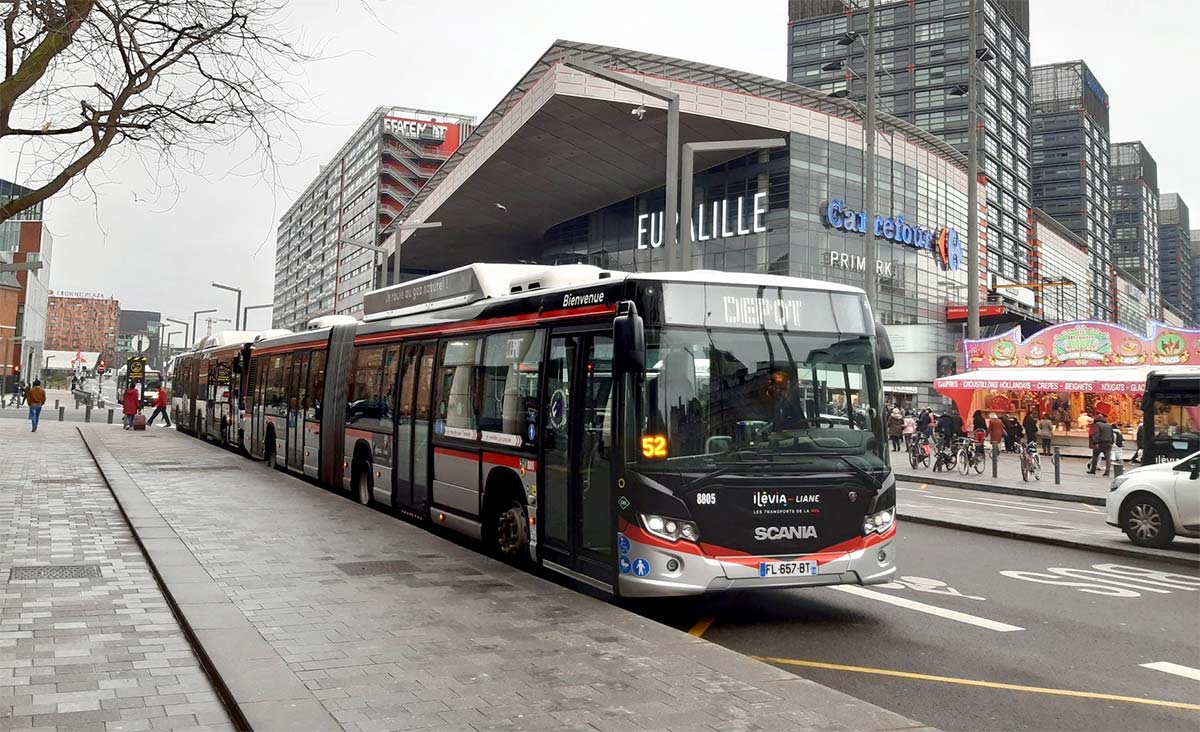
1031,462
969,456
945,457
919,450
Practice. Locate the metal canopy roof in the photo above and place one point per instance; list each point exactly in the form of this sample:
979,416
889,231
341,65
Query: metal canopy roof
577,154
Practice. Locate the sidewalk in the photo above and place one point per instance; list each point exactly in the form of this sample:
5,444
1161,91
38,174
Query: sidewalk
92,653
388,626
1076,484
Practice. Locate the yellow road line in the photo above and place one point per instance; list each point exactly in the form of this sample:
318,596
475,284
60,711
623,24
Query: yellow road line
923,486
702,625
973,682
1090,507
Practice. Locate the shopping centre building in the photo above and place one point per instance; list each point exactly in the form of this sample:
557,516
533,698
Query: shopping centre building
569,167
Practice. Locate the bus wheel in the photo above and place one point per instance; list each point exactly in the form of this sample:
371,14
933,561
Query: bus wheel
362,483
506,529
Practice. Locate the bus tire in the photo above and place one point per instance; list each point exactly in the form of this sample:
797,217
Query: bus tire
361,482
269,449
505,529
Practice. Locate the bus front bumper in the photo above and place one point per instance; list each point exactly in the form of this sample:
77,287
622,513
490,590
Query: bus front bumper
683,568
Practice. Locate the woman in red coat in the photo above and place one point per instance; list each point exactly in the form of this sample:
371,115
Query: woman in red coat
131,404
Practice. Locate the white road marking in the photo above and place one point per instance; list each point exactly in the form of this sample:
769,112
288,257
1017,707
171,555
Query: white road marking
1186,672
984,503
921,607
999,502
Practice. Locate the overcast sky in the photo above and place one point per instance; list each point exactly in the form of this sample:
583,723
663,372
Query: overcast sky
157,243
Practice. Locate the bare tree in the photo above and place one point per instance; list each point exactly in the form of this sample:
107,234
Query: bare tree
81,76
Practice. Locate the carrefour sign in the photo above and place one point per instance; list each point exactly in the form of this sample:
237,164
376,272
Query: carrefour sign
943,243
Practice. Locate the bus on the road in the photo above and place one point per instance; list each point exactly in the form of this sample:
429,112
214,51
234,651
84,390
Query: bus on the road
646,434
1171,415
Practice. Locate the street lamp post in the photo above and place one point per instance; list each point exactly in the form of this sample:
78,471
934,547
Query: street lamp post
237,311
184,323
195,332
374,249
672,99
246,312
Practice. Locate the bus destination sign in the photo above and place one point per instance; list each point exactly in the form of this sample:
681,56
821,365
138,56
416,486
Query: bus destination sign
458,283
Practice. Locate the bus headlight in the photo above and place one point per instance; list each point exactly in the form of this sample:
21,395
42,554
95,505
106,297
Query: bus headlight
669,528
877,523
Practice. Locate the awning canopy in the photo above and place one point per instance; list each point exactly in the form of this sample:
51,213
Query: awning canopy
1129,380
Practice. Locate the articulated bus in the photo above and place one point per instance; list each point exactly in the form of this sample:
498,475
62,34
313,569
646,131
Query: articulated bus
1171,414
646,434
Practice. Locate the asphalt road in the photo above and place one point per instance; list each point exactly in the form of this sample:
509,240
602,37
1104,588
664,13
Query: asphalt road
1064,623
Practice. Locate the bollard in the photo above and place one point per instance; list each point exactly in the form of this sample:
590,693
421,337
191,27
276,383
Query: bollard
62,413
56,404
1057,460
995,457
110,416
87,413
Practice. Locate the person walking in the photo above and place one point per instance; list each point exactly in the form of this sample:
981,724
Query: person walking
895,428
995,429
924,422
35,398
1139,443
1046,431
131,404
1104,443
978,422
910,428
160,407
1030,425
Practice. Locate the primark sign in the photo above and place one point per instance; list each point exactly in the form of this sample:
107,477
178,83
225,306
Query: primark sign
717,220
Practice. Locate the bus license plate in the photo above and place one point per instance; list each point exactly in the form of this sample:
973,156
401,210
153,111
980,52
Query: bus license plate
786,569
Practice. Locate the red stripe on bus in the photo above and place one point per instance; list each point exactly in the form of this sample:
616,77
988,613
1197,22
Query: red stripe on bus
508,461
288,348
491,323
455,453
360,433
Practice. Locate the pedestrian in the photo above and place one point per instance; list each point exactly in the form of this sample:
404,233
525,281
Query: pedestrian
895,427
1030,426
36,397
131,404
995,428
1118,448
1046,431
910,428
160,407
1139,443
978,422
1012,431
924,422
1104,439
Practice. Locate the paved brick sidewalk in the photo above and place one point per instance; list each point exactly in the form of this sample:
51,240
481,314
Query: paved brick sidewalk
84,654
392,627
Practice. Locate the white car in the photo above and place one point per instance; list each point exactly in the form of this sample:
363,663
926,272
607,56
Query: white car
1155,503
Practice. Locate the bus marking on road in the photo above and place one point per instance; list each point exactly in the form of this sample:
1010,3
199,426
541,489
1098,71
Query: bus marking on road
940,612
975,682
1186,672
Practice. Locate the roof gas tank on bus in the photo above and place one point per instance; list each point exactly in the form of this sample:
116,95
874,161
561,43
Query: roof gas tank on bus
271,333
563,275
328,321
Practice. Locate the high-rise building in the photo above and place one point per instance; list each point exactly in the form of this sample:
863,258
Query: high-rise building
1071,170
354,198
1134,181
130,325
1195,269
921,48
78,321
1175,254
24,239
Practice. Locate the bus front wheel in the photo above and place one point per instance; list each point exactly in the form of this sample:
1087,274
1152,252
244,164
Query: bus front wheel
506,527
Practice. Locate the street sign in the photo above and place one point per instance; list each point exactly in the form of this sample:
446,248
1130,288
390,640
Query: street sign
141,343
137,368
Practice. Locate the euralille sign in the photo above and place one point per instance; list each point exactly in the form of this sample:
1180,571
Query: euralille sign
943,243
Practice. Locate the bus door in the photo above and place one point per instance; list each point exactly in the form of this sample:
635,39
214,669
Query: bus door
296,386
575,504
412,427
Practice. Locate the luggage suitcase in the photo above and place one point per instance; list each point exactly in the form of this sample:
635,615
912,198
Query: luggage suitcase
139,421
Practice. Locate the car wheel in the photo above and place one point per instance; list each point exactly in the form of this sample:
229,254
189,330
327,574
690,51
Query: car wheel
1146,521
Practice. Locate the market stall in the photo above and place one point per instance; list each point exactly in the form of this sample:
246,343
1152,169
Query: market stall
1071,372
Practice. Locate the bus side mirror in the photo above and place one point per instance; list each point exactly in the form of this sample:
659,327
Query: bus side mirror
629,340
883,347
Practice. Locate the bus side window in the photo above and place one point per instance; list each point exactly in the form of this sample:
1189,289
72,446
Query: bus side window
316,385
364,398
457,386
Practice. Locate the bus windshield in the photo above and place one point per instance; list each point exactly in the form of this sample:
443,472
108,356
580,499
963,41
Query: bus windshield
712,397
1173,418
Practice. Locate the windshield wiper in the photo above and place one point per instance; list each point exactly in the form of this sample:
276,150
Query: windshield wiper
725,466
858,470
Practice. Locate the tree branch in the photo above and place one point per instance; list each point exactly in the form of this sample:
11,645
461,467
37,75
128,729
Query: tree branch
34,66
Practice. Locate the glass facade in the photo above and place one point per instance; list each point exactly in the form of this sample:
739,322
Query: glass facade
1135,223
787,193
1174,255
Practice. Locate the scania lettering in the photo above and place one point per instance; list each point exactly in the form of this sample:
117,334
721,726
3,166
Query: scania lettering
648,434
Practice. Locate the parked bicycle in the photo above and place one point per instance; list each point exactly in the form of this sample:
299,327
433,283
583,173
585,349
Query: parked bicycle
970,455
920,449
945,456
1031,462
